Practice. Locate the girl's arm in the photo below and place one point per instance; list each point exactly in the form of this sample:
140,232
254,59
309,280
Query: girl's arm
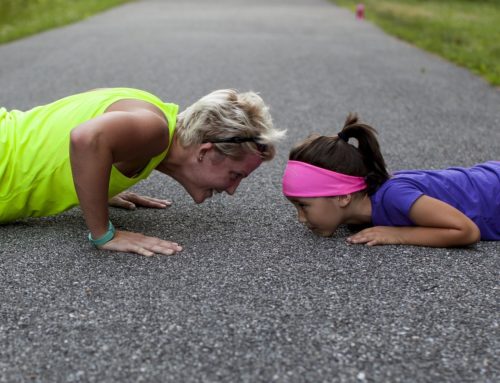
95,146
437,225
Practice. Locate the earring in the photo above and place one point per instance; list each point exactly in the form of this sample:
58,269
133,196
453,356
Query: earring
200,158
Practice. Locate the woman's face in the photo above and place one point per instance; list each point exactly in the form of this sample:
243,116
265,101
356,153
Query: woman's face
322,215
217,173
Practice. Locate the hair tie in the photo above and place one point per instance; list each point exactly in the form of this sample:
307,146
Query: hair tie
239,140
343,136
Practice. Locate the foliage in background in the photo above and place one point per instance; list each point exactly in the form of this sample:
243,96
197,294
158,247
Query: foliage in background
20,18
466,32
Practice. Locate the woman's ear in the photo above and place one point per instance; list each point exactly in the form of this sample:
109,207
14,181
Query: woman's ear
202,150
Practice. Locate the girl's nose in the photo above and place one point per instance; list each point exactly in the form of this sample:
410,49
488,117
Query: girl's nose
302,216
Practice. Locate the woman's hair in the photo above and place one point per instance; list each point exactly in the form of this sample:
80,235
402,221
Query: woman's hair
336,154
235,122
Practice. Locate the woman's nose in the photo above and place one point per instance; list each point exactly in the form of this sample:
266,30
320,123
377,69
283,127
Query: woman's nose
231,189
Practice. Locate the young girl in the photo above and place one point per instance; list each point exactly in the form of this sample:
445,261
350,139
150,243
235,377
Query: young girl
332,182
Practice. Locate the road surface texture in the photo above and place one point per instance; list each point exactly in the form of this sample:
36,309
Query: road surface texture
254,297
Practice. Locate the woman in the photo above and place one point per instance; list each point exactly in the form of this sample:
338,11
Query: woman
88,148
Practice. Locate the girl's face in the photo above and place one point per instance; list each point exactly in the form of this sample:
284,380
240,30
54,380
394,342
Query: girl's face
322,215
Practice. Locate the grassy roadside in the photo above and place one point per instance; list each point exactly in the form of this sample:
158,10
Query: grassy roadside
20,18
465,32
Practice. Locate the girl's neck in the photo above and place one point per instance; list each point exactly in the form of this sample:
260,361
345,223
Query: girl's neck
360,211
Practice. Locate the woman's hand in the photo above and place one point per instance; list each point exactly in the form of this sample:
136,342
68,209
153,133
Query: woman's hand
129,242
130,201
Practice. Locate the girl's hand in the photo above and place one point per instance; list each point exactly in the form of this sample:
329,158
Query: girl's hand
130,201
129,242
378,235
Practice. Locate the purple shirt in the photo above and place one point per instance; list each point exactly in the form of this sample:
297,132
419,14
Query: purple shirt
474,191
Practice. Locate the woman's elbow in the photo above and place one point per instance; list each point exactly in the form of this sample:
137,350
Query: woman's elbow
80,140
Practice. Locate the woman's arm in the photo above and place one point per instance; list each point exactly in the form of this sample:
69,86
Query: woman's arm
437,225
127,137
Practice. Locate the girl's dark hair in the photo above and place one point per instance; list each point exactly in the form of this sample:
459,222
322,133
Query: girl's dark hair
336,154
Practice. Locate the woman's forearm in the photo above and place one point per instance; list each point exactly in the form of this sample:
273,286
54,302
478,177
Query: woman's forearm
91,163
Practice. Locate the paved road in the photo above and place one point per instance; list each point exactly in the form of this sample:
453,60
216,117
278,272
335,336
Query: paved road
254,297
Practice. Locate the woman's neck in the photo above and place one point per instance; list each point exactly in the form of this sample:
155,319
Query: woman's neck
176,161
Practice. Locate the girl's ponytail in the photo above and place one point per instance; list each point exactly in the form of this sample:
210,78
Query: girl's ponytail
369,149
336,154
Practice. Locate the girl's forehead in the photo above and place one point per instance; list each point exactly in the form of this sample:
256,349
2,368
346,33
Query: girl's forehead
309,200
300,199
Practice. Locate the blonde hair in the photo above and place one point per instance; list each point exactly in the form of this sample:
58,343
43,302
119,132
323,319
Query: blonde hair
226,114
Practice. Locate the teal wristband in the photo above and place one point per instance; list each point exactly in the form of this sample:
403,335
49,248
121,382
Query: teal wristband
110,234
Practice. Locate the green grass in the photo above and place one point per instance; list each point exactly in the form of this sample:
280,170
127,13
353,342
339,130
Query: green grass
20,18
466,32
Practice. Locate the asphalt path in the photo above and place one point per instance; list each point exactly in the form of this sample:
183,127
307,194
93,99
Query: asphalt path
254,297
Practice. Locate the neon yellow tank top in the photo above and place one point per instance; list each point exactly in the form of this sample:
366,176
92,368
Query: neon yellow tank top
35,168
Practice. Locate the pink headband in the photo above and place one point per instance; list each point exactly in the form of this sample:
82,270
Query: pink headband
305,180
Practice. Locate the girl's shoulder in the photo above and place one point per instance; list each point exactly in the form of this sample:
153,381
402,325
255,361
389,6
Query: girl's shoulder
391,203
398,187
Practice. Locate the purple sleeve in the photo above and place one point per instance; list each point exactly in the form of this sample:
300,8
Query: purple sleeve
396,202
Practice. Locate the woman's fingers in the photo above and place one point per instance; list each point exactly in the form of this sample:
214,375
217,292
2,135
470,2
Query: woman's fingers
152,202
130,242
141,251
129,200
146,201
118,201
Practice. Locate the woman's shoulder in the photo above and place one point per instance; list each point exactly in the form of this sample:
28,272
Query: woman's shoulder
128,99
125,92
